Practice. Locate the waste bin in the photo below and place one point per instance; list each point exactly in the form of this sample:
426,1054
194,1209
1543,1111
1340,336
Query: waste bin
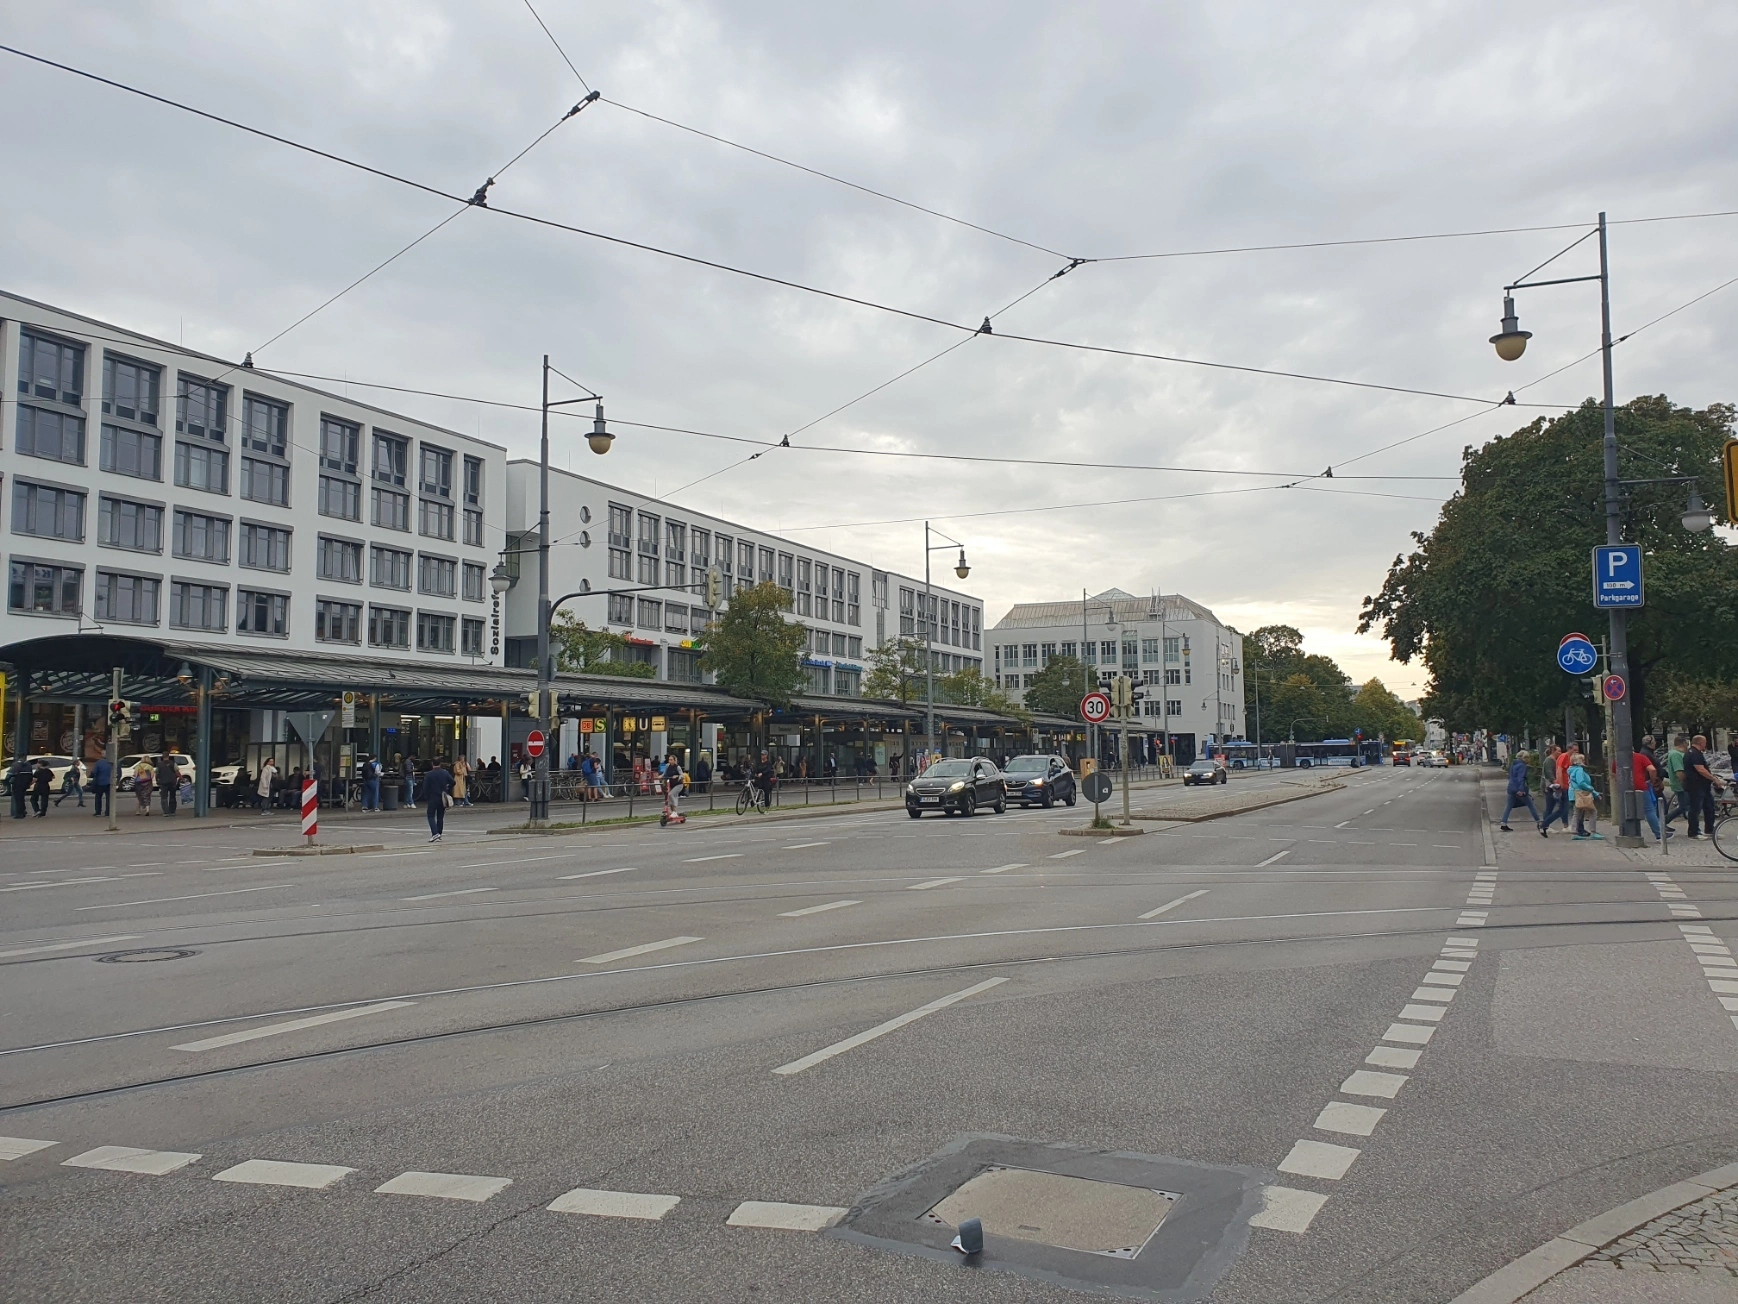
389,790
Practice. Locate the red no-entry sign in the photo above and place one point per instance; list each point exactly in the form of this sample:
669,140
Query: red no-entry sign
534,744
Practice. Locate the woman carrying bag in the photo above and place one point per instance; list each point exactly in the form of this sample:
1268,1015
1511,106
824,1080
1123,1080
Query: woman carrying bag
1585,797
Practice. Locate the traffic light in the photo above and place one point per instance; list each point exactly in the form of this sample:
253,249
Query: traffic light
535,699
714,587
120,715
1121,692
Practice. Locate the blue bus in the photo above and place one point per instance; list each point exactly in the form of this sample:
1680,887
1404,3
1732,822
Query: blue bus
1330,751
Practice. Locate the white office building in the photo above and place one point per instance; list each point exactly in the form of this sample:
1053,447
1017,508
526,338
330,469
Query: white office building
604,539
1190,663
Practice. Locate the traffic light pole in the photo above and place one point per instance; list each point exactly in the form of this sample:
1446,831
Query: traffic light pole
114,753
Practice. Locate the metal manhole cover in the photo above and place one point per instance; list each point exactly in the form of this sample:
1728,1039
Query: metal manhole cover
1070,1213
145,955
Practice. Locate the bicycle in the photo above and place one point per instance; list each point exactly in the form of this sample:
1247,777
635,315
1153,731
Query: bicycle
1724,833
752,797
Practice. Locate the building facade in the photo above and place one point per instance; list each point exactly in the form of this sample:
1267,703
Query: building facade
1190,663
605,538
151,491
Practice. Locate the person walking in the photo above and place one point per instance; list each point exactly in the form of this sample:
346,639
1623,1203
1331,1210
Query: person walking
461,782
1519,795
371,785
101,780
437,795
1674,776
1585,797
410,782
268,777
1647,782
703,773
71,784
1700,785
1548,788
41,784
144,779
168,783
525,772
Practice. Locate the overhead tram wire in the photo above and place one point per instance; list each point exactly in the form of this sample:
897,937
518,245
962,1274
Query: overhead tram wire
763,277
557,44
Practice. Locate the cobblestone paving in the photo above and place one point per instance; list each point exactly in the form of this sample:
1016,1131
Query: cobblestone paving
1699,1237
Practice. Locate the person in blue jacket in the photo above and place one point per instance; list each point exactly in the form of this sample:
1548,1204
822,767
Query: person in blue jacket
102,783
1519,796
1584,795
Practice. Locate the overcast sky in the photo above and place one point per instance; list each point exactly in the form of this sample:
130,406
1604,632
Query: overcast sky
1090,129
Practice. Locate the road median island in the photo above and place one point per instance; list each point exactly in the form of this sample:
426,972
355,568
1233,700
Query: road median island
1198,809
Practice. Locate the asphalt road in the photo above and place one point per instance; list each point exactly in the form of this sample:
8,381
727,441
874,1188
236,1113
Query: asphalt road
742,1010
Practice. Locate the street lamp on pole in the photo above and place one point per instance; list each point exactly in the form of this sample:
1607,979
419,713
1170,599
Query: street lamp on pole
599,440
929,620
1088,661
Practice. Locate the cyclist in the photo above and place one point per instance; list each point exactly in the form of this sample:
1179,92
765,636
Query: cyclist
764,778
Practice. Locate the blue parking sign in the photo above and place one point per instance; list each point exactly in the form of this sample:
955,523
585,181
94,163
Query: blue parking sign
1617,575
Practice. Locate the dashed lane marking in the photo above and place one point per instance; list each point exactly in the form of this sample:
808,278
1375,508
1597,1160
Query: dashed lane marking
293,1025
1003,869
882,1029
1319,1159
65,882
436,896
1064,855
1286,1209
445,1186
1365,1082
1277,856
595,873
126,1159
16,1147
197,896
729,855
1408,1033
278,1172
1352,1120
934,882
68,946
785,1217
1392,1057
815,910
1172,905
803,846
646,948
614,1204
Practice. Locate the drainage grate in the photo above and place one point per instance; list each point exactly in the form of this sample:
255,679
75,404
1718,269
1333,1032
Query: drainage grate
145,955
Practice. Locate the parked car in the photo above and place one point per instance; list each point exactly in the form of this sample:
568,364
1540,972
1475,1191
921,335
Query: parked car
957,787
1045,780
56,762
1204,772
184,766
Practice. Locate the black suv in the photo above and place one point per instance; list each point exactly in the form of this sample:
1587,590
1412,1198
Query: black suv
957,787
1045,780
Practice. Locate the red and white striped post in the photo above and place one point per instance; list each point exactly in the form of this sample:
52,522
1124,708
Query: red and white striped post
310,809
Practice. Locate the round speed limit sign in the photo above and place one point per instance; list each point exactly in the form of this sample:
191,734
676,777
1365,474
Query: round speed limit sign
1095,708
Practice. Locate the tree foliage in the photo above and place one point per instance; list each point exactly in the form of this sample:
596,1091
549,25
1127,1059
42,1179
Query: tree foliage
1059,686
754,650
895,670
970,687
580,650
1485,598
1307,696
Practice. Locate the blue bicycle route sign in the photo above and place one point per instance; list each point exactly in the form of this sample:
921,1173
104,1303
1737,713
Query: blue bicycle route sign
1576,656
1617,575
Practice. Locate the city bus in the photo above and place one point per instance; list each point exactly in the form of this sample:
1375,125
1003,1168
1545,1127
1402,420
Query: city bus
1330,751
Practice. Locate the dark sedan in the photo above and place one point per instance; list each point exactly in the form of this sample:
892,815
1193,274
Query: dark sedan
1044,780
1204,772
957,787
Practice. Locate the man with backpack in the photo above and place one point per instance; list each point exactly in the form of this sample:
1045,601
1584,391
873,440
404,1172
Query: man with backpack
1518,796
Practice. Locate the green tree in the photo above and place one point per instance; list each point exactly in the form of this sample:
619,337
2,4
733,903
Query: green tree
895,670
1059,686
754,650
1485,598
1376,710
1273,658
580,650
969,687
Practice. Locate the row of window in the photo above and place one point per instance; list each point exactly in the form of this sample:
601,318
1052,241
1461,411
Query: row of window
1097,652
51,425
123,597
656,615
823,643
645,548
935,619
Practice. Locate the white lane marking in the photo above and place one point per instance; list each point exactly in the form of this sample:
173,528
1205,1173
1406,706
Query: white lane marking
1444,846
1690,929
1392,1057
803,846
16,1147
64,882
445,1186
1342,824
882,1029
1287,1209
729,855
1353,1120
382,855
1172,905
815,910
1463,941
934,882
197,896
294,1025
1003,869
436,896
1064,855
278,1172
125,1159
614,1204
644,949
1408,1033
523,860
1443,979
1363,1082
785,1217
1279,855
1451,966
1432,994
67,946
595,873
1319,1159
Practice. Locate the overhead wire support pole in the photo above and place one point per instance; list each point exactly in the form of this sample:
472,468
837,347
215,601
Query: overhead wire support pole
539,813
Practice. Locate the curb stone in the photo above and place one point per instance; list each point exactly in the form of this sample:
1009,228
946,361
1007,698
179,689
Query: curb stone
1526,1274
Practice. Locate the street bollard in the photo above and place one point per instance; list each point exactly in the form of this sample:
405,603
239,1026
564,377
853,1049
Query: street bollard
310,810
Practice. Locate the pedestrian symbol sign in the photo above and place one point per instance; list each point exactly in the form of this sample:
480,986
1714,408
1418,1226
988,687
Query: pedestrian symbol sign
1617,575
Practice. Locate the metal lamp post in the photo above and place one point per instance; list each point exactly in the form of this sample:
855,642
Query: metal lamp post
599,441
960,569
1088,662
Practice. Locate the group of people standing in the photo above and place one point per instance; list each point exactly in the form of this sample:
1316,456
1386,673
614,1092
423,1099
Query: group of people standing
1677,781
